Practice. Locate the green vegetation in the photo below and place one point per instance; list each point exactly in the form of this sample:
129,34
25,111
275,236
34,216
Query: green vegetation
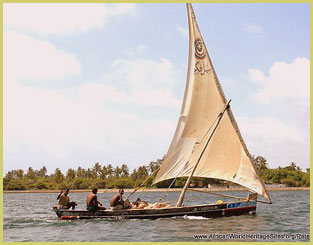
97,176
120,177
291,176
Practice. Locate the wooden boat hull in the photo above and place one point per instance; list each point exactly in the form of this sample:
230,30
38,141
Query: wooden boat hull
207,211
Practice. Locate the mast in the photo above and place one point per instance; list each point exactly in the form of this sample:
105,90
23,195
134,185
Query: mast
182,194
195,150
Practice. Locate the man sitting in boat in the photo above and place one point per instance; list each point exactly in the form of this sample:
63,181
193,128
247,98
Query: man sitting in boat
92,202
64,201
61,192
117,202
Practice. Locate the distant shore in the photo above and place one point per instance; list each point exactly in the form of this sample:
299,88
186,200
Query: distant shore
162,190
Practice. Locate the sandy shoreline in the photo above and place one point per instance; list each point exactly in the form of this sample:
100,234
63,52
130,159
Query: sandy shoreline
162,190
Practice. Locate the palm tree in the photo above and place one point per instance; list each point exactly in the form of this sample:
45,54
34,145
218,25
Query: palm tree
30,173
71,174
293,166
84,173
134,174
103,173
261,163
42,172
155,165
109,170
96,170
117,172
124,170
142,172
9,175
20,173
58,176
79,172
152,167
89,173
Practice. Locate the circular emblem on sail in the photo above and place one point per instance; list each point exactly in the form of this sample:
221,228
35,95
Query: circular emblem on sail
199,49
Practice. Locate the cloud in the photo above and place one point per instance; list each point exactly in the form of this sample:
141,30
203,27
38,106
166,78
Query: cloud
145,73
104,120
284,93
279,142
28,58
285,81
141,48
95,93
163,98
137,82
62,18
94,121
137,51
148,82
66,127
252,28
65,132
268,129
183,31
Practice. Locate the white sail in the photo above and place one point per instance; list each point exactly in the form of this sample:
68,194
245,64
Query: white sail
226,157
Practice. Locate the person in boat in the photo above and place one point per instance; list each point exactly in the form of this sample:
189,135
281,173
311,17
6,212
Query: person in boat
131,205
92,203
64,200
128,204
139,204
61,192
117,202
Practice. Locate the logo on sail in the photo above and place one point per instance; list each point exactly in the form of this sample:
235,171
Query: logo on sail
201,68
199,49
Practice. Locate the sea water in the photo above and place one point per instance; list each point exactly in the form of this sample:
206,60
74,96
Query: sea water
28,217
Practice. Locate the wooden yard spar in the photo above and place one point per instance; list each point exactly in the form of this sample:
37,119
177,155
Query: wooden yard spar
207,143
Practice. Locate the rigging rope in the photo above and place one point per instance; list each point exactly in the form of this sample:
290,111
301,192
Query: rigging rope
224,195
138,187
216,119
218,114
163,197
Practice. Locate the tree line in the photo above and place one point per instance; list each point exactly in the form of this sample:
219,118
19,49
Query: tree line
109,177
98,176
291,176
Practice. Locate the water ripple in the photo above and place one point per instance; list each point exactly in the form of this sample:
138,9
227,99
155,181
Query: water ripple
32,220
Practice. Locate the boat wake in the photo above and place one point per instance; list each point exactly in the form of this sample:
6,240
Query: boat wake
195,217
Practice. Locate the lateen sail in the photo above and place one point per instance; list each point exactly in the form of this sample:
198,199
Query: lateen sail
226,156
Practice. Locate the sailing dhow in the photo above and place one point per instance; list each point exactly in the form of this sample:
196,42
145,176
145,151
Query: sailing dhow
207,143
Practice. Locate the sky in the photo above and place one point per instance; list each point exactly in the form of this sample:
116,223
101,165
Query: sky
87,83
